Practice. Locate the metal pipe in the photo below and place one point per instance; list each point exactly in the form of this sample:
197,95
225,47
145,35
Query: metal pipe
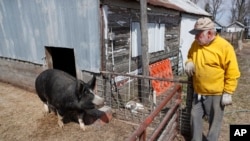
165,120
137,133
147,77
170,134
143,136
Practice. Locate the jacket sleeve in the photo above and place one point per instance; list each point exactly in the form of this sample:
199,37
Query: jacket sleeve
232,72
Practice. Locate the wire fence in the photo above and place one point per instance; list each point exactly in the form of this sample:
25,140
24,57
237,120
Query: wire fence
133,101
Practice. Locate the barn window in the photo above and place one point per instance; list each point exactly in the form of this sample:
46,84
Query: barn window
156,33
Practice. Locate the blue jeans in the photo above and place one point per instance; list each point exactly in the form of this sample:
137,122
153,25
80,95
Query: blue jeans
211,107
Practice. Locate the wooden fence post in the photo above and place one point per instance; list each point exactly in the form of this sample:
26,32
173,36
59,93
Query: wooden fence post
144,47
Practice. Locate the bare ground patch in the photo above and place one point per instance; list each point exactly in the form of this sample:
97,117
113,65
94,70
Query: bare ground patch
22,119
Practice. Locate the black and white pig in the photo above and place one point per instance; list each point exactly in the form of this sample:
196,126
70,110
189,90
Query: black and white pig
64,93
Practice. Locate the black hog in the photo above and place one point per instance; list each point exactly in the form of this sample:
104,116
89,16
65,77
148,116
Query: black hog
64,93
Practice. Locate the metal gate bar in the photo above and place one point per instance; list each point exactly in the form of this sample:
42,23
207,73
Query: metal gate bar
141,131
165,120
147,77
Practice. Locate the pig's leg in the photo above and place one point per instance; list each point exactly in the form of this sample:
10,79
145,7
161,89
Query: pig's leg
60,119
80,120
46,109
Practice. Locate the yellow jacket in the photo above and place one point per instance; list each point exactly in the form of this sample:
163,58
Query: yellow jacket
216,67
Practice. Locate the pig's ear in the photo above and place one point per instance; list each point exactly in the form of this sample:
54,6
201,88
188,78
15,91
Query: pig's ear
92,82
79,89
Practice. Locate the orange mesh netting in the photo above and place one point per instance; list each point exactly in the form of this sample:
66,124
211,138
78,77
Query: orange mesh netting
161,69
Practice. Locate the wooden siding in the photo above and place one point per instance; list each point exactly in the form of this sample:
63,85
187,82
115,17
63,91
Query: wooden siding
119,23
19,73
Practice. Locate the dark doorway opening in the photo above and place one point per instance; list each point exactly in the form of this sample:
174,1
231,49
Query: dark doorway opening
61,58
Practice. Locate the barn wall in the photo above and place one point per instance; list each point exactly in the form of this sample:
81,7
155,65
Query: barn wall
23,74
186,39
119,22
52,23
119,17
19,73
27,26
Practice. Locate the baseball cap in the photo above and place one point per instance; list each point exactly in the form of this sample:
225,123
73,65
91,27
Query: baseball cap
201,24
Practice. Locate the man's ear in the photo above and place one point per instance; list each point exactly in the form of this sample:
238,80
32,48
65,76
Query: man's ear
210,33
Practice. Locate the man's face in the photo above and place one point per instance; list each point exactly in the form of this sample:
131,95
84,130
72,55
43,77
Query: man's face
203,37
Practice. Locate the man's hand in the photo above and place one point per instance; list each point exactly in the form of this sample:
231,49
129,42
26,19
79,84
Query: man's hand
226,99
189,69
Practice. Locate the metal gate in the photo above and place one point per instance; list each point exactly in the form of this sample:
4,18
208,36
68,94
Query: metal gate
158,117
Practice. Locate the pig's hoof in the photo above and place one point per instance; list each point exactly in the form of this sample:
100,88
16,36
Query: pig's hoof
83,127
60,123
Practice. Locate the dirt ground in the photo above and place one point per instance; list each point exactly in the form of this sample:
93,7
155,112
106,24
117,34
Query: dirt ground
22,119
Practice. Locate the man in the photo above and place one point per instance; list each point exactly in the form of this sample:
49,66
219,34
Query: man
213,66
